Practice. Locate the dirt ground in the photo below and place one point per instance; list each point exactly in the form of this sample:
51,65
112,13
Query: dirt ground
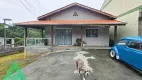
61,66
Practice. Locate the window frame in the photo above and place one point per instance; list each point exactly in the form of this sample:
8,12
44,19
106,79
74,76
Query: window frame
122,40
140,46
92,33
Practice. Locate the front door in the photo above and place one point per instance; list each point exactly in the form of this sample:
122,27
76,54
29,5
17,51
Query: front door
63,37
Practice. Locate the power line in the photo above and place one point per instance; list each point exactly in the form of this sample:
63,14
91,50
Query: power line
32,6
40,5
27,8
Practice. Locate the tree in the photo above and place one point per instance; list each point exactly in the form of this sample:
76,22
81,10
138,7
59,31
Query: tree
18,33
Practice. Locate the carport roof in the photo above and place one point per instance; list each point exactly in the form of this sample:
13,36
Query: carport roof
70,22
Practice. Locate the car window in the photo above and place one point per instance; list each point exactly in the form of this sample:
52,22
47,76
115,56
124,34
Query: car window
122,43
134,45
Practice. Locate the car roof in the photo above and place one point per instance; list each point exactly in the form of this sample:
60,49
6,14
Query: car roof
137,38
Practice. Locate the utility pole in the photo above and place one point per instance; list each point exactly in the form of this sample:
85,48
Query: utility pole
4,33
4,28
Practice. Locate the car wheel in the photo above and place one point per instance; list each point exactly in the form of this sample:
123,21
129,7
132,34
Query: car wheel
112,54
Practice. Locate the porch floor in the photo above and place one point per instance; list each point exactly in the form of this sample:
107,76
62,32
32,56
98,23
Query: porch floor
78,47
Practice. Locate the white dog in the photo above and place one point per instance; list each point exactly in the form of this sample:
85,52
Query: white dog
82,69
82,63
82,66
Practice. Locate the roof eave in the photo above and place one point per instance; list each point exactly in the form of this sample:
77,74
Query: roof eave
120,24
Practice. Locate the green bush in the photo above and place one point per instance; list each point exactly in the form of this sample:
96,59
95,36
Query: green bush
19,41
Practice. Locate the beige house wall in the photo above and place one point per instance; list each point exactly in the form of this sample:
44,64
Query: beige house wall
118,7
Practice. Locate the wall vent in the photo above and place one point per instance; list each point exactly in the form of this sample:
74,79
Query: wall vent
75,14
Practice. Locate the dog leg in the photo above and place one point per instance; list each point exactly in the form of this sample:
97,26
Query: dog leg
79,72
83,78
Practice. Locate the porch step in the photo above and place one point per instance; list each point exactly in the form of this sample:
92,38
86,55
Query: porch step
55,49
106,48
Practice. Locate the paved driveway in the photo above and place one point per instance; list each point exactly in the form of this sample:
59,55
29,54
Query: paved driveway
61,66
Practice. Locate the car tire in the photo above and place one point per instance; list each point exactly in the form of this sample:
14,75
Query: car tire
112,54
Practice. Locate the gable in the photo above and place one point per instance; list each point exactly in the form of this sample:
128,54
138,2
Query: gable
77,13
43,17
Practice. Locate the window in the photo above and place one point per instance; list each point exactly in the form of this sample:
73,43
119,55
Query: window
8,41
91,32
122,43
134,45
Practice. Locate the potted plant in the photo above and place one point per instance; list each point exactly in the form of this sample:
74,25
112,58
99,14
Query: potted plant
78,42
75,44
84,43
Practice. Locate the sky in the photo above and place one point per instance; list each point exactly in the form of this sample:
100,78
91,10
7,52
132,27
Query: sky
15,10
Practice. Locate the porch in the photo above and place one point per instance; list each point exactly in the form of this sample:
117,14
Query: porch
58,35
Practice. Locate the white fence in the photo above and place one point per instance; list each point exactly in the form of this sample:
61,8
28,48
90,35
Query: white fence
37,42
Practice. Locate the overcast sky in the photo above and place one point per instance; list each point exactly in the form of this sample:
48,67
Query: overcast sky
15,10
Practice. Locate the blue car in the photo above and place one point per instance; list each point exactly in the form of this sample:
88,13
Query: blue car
129,50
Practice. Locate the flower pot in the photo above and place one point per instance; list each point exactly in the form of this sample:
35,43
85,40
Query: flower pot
84,44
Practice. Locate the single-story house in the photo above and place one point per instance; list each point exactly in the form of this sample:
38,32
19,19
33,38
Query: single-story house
64,25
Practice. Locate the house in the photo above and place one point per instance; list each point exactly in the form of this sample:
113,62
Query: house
129,11
64,25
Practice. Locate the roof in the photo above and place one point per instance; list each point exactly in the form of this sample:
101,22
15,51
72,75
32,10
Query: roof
72,5
138,38
72,22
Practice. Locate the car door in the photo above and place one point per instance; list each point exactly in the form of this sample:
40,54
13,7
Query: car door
121,46
134,54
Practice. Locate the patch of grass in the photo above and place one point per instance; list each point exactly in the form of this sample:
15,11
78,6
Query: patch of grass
12,57
5,62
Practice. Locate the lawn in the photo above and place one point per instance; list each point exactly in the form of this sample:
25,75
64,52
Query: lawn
5,62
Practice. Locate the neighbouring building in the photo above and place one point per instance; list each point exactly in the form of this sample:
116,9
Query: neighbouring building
64,25
9,42
129,11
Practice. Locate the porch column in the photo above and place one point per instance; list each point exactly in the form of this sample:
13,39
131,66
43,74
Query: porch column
25,36
52,34
81,37
42,34
115,34
25,41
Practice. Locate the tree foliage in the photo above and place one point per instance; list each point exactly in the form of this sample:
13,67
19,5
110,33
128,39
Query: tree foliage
18,33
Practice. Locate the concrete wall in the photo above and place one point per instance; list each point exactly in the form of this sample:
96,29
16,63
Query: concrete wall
10,50
37,50
101,40
130,29
117,7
